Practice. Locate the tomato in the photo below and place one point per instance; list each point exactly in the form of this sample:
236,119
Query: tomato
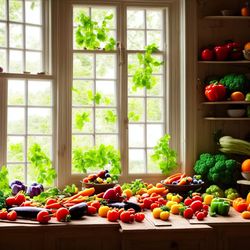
3,214
132,218
207,55
91,210
43,217
139,217
19,199
10,201
131,210
153,206
200,216
205,207
188,213
62,214
103,211
156,212
26,204
51,201
246,215
147,202
162,201
196,205
120,211
126,216
187,201
113,215
245,166
164,215
96,204
85,180
197,198
12,216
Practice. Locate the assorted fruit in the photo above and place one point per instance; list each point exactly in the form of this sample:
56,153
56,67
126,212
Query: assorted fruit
102,177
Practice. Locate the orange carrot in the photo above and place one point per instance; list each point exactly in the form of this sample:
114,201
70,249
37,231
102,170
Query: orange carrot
156,190
85,192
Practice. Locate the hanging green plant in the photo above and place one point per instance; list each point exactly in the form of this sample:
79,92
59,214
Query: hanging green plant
133,117
147,64
89,35
81,119
110,116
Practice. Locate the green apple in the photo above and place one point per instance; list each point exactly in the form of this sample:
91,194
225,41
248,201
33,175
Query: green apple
247,98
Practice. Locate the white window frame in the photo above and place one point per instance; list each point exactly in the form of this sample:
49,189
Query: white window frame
64,74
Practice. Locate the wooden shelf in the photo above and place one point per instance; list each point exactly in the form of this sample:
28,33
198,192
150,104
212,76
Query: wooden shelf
225,62
227,118
226,103
227,17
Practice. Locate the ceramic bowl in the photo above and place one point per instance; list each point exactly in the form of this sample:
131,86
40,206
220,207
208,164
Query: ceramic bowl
246,175
236,112
173,188
99,188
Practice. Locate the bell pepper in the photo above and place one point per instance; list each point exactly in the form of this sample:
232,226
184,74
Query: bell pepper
240,204
220,207
215,92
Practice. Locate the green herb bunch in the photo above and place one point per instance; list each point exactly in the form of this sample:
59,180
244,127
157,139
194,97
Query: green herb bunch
147,64
164,155
90,35
42,165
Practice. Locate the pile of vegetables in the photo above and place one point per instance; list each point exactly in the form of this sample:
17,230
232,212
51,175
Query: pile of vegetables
217,169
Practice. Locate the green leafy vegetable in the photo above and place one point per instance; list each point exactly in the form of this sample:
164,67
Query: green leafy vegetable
90,35
49,193
97,158
164,155
4,181
70,190
81,118
41,164
147,64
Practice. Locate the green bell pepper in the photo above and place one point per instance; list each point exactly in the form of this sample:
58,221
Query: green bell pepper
220,207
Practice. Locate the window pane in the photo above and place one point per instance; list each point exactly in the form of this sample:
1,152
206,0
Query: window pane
154,19
39,121
33,11
34,62
82,120
15,149
105,66
16,172
3,9
16,35
107,91
136,40
3,35
135,19
131,91
136,135
44,141
136,110
16,10
82,141
3,59
157,90
39,93
106,121
16,92
153,167
16,61
155,109
82,92
155,37
83,65
33,38
154,133
16,121
107,140
98,14
136,161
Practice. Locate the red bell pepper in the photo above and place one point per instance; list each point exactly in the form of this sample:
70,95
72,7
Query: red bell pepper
215,92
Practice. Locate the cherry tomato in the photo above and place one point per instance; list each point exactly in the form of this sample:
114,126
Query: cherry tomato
19,199
43,217
196,205
113,215
147,202
12,216
51,201
197,198
200,216
154,205
96,204
188,213
139,217
205,207
3,214
125,216
162,201
91,210
62,214
187,201
10,201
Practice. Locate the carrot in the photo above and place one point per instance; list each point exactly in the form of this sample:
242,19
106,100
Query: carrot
85,192
173,177
156,190
53,206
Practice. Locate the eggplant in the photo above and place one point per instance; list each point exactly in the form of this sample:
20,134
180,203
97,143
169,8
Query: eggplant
78,210
126,205
27,212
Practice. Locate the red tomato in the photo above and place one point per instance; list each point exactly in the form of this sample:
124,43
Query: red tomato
96,204
51,201
3,214
26,204
196,205
43,217
120,211
154,205
162,201
19,199
241,207
187,201
147,202
85,180
10,201
207,55
205,207
12,216
188,213
139,217
132,217
91,210
125,216
197,198
131,210
113,215
62,214
200,216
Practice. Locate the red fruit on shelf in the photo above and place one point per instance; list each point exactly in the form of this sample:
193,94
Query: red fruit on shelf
207,55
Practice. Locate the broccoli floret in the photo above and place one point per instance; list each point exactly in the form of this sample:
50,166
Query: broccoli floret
215,191
220,157
205,162
235,82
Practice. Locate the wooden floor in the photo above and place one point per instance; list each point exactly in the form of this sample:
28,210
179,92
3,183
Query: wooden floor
98,234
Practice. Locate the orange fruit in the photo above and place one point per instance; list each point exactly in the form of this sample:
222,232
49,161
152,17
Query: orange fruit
247,46
164,215
237,96
128,193
103,211
245,166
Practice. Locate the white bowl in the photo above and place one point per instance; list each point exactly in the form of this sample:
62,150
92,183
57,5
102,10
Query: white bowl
246,175
236,112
